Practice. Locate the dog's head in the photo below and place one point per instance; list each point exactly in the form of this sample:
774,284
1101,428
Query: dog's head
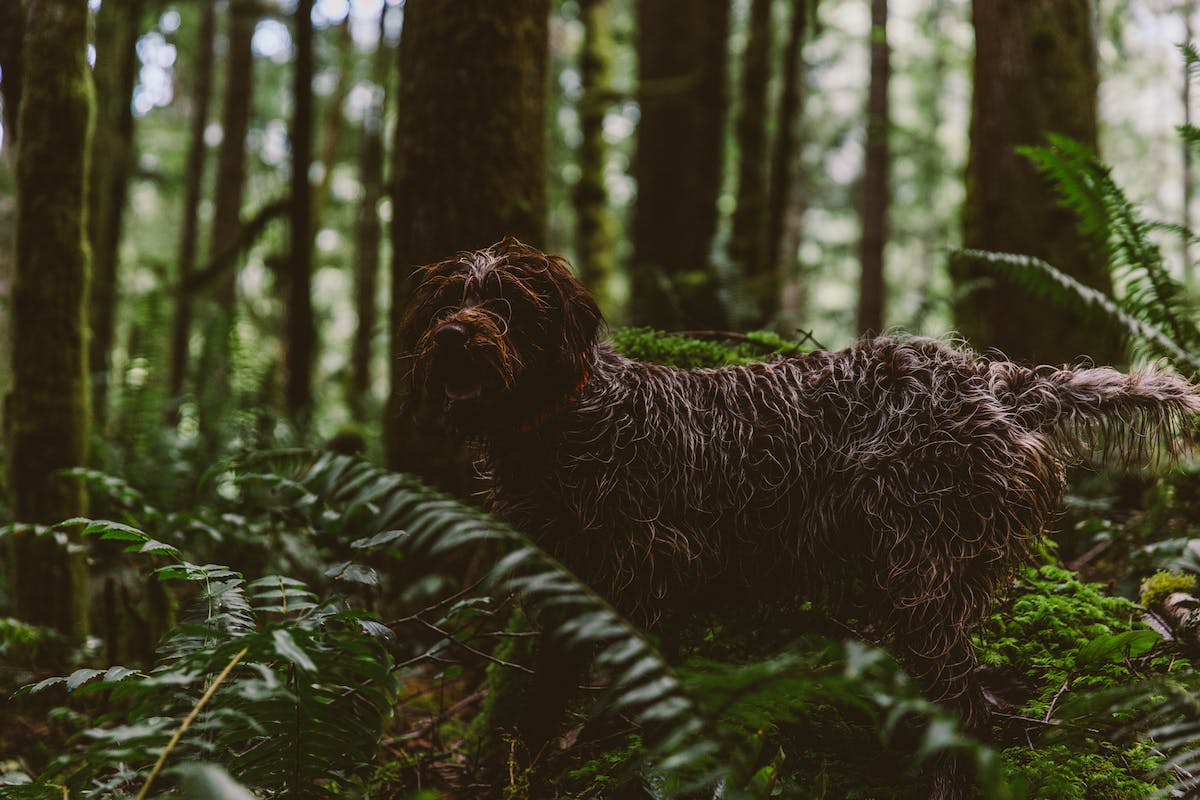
498,334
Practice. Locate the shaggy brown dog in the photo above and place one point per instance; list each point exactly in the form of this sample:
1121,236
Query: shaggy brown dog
915,469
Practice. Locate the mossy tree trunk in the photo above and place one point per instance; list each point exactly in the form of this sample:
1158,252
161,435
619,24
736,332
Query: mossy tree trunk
301,338
214,391
201,100
594,254
47,421
680,146
1035,72
469,159
12,36
748,238
875,199
779,250
118,26
369,231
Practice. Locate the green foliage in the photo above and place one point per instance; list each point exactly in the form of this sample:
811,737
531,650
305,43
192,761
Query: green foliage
1070,643
290,693
1087,770
1152,308
688,352
1163,584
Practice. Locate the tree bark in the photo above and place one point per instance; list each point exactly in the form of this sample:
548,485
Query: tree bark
301,341
214,394
369,230
779,254
118,27
333,120
47,423
594,255
1035,72
680,146
748,237
181,323
875,192
12,37
462,186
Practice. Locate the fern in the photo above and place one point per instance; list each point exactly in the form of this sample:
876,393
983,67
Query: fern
1151,306
302,712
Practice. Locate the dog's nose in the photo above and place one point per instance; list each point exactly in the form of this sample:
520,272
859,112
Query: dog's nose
450,335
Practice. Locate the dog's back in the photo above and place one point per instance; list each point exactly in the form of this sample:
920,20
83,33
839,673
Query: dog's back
915,467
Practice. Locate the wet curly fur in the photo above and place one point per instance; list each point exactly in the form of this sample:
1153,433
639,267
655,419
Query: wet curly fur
914,470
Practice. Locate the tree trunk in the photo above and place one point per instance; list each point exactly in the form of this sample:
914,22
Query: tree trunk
594,254
369,230
680,143
12,37
779,250
117,29
462,186
301,331
334,119
181,323
47,424
213,395
1185,217
875,197
1035,72
748,237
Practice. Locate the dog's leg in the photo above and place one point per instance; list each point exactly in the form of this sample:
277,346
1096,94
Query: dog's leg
939,655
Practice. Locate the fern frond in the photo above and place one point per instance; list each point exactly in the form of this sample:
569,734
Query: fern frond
676,731
1146,289
1040,278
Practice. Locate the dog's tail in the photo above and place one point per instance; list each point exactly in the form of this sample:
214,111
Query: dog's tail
1144,415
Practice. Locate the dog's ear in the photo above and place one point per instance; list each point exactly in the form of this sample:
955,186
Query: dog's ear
581,316
425,284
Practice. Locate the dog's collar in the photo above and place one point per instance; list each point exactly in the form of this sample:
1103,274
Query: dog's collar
567,401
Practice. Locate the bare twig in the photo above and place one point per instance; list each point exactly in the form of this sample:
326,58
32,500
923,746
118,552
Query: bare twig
187,721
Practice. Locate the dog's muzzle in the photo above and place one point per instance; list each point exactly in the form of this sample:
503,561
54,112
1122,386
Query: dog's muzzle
454,367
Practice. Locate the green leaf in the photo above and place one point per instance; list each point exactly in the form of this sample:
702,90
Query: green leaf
1115,647
386,537
286,646
81,676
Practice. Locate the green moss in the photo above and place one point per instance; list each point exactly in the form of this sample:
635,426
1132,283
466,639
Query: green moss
647,344
1103,772
1064,637
1162,584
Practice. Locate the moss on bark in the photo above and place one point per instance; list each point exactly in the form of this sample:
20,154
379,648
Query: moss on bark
47,420
594,223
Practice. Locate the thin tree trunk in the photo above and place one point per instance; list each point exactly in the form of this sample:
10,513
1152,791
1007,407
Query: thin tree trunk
214,392
680,147
12,38
117,29
301,330
461,186
748,237
181,324
369,233
334,119
47,423
1186,179
1035,72
875,192
594,223
780,247
931,169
